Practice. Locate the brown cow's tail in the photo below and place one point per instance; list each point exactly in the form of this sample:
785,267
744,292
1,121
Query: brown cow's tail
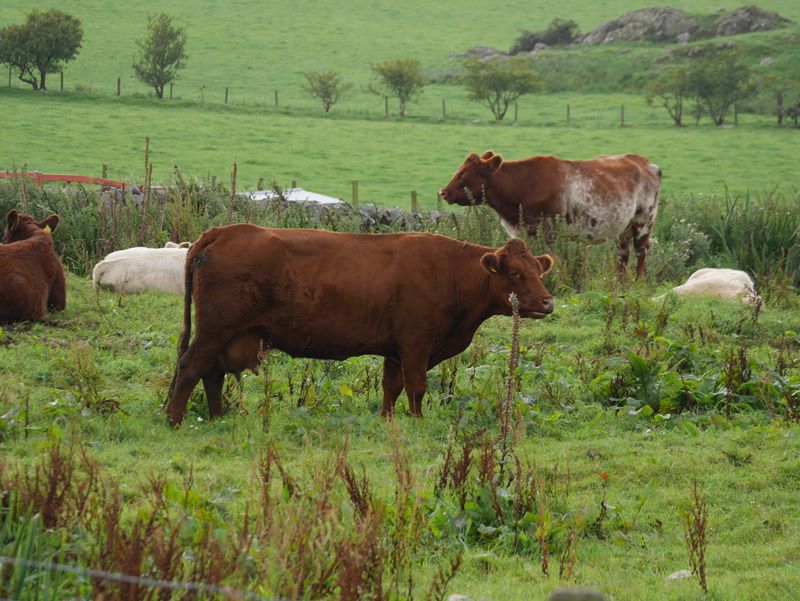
183,343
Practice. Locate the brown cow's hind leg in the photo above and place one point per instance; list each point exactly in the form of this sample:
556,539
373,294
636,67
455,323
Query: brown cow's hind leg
641,242
392,385
212,384
192,366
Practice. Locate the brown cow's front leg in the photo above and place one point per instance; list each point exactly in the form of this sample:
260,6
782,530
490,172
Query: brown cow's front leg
392,385
212,384
415,382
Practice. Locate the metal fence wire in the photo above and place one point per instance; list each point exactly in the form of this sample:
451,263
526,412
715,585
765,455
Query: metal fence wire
200,587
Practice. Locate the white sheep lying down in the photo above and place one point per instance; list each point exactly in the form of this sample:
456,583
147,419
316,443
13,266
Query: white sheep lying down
724,283
140,268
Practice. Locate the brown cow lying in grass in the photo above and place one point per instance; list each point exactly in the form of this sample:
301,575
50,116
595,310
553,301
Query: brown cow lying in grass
600,199
415,299
31,275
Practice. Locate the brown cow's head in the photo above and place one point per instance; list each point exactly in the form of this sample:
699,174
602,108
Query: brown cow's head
21,227
468,183
514,269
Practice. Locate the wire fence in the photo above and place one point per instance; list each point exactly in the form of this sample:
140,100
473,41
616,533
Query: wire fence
199,587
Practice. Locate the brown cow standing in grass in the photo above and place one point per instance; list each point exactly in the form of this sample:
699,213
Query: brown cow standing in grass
31,275
415,299
607,197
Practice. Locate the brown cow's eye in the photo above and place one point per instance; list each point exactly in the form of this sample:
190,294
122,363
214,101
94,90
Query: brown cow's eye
515,274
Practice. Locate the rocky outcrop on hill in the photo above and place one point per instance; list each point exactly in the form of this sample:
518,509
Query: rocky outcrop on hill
667,24
660,24
748,19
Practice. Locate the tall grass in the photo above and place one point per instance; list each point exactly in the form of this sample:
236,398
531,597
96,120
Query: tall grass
759,234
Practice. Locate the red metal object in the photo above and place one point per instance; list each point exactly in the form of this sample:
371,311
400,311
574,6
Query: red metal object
39,178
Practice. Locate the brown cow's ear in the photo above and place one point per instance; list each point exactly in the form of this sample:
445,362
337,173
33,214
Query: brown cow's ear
51,222
487,154
473,158
546,261
492,263
494,163
12,219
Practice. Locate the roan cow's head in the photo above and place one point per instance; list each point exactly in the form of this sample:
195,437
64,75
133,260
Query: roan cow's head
468,183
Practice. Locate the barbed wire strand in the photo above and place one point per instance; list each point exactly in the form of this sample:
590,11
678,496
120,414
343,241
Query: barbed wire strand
227,591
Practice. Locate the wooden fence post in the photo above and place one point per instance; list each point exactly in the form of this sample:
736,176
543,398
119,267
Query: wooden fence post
294,183
119,85
276,98
226,94
622,115
438,202
736,114
355,192
567,114
444,110
414,206
9,76
105,171
170,90
62,81
515,110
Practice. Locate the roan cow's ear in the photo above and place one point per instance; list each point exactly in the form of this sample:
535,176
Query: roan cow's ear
50,224
492,263
487,154
546,261
473,158
493,163
12,219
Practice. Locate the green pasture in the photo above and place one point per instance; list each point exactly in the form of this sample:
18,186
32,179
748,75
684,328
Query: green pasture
389,158
98,372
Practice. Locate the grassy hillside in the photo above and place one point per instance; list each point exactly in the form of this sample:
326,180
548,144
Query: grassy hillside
254,47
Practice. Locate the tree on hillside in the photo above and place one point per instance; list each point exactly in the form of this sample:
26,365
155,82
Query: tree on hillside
401,78
161,54
671,90
327,86
719,81
498,81
781,87
40,45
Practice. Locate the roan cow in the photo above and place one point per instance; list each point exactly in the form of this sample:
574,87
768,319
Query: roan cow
603,198
31,275
415,299
723,283
139,268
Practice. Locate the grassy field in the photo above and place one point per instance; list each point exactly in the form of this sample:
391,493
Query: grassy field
623,399
97,374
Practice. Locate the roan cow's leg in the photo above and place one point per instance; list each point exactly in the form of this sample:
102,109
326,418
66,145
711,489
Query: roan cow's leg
392,385
623,250
641,242
195,363
212,384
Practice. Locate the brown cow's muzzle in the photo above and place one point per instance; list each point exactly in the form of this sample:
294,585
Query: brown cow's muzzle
445,195
543,311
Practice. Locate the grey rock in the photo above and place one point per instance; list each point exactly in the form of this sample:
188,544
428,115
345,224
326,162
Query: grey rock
767,61
483,53
659,24
459,598
683,38
576,594
679,575
748,19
